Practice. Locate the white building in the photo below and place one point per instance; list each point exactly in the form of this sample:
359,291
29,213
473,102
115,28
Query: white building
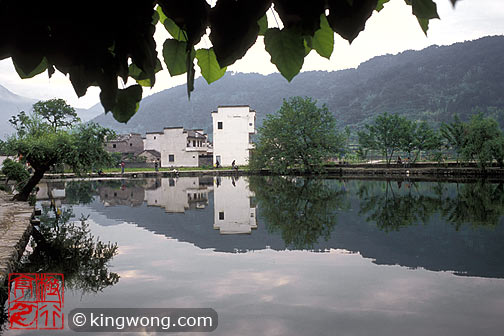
234,211
232,130
178,147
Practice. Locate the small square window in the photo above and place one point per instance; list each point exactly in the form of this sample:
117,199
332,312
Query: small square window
131,144
171,158
221,215
114,146
250,124
154,138
219,125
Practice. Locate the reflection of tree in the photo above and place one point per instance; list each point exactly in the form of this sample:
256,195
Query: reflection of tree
80,192
392,207
476,203
303,210
64,246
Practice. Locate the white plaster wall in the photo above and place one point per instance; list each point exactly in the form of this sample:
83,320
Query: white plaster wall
174,141
151,143
234,201
232,141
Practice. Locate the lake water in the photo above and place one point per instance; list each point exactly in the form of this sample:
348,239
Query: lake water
283,256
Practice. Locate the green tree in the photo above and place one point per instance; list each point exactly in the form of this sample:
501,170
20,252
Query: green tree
15,171
386,134
454,135
301,136
57,113
426,139
100,49
37,142
482,140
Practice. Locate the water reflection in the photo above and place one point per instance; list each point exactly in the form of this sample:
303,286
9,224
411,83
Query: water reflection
234,206
433,225
302,210
63,245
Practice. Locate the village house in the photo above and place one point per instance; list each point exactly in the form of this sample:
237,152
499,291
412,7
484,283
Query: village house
233,127
178,147
131,143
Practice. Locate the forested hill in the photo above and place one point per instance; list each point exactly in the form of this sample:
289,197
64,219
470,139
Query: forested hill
431,84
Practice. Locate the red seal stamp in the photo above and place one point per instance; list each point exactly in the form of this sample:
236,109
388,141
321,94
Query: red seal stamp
36,300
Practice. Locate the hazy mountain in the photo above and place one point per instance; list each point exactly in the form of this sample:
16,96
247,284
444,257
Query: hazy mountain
431,84
11,104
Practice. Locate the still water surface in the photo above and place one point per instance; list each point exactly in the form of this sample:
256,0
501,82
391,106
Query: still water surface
278,256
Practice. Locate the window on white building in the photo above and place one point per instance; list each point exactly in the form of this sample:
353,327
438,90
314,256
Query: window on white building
171,158
221,215
219,125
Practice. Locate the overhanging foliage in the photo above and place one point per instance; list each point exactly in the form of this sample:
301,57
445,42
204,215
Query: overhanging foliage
101,41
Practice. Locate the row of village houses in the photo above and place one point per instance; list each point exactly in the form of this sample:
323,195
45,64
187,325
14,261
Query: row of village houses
233,126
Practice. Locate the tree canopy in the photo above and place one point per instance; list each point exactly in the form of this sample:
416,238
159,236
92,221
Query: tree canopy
103,41
41,145
300,136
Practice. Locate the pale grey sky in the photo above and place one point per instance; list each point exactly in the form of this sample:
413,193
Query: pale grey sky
392,30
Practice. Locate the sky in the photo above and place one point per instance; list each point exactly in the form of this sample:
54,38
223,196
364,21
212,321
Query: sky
390,31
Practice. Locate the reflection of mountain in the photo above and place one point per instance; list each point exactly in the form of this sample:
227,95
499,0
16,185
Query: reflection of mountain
434,245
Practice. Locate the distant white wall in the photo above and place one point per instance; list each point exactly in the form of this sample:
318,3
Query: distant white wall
232,141
233,213
153,141
173,146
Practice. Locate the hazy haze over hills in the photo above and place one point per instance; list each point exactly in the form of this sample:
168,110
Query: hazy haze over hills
431,84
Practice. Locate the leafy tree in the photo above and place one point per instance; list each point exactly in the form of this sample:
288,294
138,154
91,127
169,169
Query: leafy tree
42,146
57,113
482,141
15,171
454,135
101,48
425,139
386,134
301,135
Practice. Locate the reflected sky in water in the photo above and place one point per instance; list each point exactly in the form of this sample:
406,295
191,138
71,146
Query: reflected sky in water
384,258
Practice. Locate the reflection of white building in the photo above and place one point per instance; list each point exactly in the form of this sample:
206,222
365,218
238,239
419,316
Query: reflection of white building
177,195
232,128
178,147
234,210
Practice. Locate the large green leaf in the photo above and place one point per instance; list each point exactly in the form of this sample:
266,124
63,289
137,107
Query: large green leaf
127,103
379,5
171,26
143,78
174,54
287,51
263,24
424,9
323,39
28,66
210,68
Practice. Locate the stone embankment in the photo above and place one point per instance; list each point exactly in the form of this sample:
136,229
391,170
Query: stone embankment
15,230
419,170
